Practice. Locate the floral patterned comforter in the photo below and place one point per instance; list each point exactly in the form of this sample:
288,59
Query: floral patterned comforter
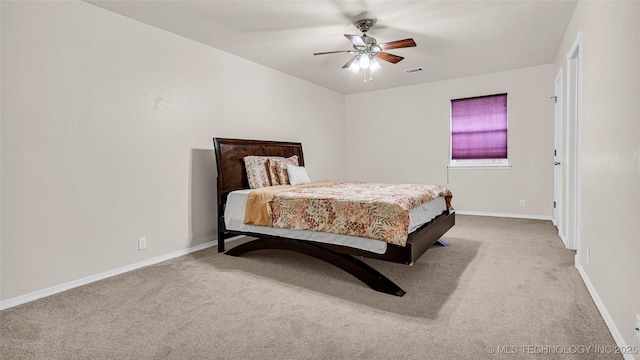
370,210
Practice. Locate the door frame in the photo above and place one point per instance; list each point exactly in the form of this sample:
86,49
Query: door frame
572,185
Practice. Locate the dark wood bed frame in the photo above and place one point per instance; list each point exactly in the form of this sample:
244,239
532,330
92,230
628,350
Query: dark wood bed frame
232,176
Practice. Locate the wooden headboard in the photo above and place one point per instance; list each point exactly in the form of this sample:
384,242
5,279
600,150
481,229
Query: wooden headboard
229,160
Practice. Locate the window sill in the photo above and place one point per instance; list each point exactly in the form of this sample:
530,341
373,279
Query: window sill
480,167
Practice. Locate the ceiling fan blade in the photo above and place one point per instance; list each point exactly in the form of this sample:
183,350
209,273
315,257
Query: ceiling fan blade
349,62
389,57
332,52
397,44
355,39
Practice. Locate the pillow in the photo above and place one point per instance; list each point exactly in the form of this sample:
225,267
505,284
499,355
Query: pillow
278,169
257,172
297,175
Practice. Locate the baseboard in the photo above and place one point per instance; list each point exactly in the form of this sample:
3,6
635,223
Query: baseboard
93,278
563,237
517,216
617,337
565,241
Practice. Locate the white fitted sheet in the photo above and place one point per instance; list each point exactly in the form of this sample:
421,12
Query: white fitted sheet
237,203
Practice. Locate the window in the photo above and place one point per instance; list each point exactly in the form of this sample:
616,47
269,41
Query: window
479,131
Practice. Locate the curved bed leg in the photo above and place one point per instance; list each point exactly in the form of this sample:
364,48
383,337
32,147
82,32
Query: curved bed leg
365,273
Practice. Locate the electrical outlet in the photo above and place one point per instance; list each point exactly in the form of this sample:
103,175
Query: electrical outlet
523,203
142,243
638,326
588,255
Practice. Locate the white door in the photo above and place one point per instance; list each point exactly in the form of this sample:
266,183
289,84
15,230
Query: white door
557,155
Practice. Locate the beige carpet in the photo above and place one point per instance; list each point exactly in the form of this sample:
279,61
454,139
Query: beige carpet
502,284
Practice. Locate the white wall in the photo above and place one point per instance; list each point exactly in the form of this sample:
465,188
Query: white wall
402,135
609,162
107,128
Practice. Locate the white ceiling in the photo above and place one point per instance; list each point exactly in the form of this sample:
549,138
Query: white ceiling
454,38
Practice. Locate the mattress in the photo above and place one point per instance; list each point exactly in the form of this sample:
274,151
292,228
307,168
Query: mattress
237,202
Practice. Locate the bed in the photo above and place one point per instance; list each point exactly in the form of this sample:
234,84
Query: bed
232,183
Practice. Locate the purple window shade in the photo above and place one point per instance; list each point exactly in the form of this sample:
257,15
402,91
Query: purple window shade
479,128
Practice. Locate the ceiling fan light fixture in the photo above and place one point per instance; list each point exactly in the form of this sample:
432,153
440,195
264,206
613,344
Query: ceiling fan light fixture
364,61
374,66
354,67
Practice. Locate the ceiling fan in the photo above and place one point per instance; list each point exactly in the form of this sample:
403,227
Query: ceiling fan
366,50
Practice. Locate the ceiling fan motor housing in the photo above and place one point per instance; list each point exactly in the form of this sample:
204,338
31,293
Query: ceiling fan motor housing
369,42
